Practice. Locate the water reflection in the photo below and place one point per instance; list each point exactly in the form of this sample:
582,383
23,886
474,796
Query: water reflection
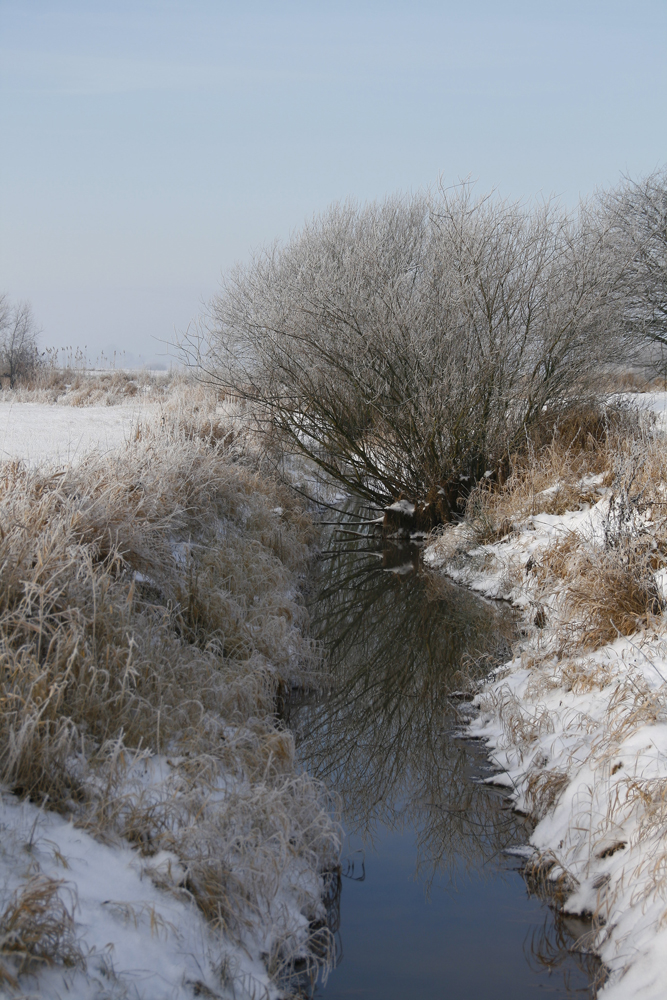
386,737
382,738
551,947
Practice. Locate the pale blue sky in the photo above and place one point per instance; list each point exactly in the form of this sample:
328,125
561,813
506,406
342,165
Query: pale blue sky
146,146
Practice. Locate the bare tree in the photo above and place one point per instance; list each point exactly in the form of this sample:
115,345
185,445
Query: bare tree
18,341
406,347
637,221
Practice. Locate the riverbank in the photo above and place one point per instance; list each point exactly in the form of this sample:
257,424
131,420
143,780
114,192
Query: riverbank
154,827
576,722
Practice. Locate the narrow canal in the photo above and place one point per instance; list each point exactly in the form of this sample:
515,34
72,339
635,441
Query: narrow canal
433,901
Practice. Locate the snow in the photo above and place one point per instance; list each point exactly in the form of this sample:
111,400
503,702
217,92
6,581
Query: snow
402,507
651,402
39,432
598,831
595,726
136,940
137,929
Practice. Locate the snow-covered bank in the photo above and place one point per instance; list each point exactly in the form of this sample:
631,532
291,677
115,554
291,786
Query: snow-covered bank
577,721
107,929
87,916
155,838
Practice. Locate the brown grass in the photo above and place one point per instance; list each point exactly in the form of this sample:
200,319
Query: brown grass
609,596
126,585
607,585
149,604
543,790
594,590
36,927
545,876
604,591
551,475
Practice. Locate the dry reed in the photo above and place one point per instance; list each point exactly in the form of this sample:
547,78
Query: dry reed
551,476
149,605
81,387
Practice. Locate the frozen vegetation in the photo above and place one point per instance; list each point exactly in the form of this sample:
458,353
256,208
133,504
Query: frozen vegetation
576,722
433,354
155,837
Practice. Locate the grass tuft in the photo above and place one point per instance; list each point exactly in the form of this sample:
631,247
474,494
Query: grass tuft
36,927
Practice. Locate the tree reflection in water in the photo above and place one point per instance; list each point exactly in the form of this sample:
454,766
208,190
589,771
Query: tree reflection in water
382,737
385,736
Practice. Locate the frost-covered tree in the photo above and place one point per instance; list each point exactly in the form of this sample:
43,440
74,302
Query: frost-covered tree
18,341
636,216
407,347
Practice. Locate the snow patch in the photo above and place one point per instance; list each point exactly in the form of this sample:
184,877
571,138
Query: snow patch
135,939
402,507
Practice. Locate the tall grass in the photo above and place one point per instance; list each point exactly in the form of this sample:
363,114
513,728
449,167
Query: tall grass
37,927
550,474
149,612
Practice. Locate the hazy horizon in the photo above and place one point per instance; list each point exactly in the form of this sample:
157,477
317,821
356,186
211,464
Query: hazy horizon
151,145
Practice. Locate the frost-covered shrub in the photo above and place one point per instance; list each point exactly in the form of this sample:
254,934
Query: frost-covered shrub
408,346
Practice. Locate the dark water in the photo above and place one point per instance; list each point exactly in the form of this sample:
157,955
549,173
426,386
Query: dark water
432,902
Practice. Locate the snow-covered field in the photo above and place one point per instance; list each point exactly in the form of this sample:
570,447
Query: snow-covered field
580,738
88,916
39,432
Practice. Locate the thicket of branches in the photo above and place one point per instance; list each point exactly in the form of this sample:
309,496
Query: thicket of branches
19,357
636,215
409,347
